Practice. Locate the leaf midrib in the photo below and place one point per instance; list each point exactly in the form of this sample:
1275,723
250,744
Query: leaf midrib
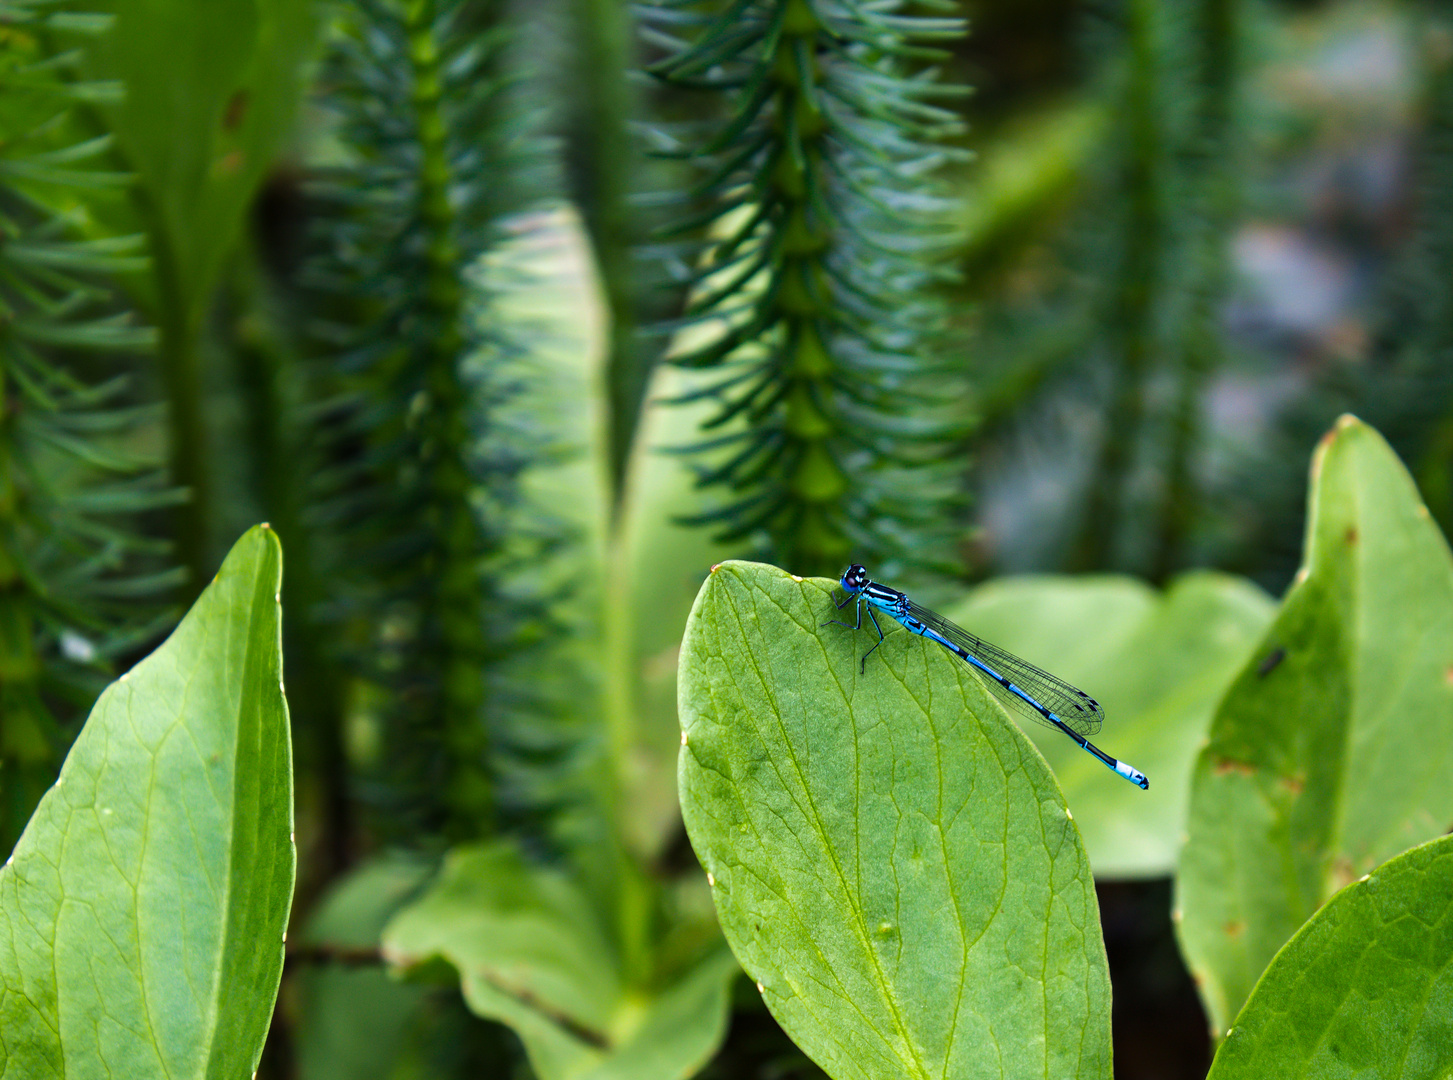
860,929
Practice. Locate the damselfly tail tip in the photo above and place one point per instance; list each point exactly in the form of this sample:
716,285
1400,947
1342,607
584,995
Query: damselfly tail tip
1134,775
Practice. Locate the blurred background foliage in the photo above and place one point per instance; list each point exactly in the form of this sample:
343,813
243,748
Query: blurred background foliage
514,317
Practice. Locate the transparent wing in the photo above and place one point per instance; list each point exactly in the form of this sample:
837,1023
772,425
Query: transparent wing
1080,712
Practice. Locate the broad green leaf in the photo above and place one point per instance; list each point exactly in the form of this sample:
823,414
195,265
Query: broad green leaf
1157,663
627,607
891,859
355,1023
1332,750
666,562
210,93
143,912
1364,989
531,952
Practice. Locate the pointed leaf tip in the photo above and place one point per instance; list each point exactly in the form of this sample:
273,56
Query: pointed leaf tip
172,817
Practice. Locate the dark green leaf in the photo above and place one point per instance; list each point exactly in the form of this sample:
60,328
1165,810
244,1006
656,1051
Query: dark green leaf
210,92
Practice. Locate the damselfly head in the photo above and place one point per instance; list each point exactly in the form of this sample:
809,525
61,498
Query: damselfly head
854,578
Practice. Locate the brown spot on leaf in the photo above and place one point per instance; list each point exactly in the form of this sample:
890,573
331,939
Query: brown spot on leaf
1235,928
236,110
1267,666
1295,784
1343,872
1351,534
1228,765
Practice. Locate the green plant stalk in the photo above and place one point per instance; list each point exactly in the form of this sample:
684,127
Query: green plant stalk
178,352
1435,465
814,476
1213,164
632,903
832,422
315,686
75,573
601,159
1133,306
454,604
27,760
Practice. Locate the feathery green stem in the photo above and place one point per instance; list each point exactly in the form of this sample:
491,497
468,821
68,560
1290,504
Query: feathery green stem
78,580
812,304
600,158
1211,168
457,541
1140,279
420,484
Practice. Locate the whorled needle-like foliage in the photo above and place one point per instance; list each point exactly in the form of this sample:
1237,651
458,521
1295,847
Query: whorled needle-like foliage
419,488
78,579
815,323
